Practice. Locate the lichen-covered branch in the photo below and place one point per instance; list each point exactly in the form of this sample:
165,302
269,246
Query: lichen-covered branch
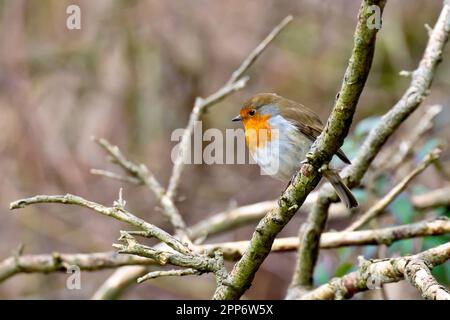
382,204
337,239
117,212
418,89
372,274
236,217
145,177
45,263
321,153
236,82
193,260
185,257
169,273
241,216
385,236
419,274
231,219
200,262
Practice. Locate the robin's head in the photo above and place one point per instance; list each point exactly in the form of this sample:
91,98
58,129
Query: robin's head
258,109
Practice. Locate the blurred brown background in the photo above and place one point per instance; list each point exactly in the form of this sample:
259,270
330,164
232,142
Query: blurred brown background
131,75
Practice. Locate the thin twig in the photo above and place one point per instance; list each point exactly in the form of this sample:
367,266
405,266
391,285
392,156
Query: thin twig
115,176
247,63
142,174
432,199
199,262
406,147
323,149
55,262
233,84
382,204
421,80
46,263
373,274
116,212
337,239
419,274
169,273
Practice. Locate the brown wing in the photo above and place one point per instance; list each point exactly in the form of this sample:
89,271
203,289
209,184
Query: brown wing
307,121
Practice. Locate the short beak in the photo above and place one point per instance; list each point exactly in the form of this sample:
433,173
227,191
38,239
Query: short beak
238,118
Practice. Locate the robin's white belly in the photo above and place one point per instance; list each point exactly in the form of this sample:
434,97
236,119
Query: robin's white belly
282,156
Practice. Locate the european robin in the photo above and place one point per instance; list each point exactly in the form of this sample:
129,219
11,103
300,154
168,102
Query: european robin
293,128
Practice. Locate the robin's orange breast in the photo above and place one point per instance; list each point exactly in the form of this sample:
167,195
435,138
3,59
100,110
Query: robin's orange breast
276,145
257,132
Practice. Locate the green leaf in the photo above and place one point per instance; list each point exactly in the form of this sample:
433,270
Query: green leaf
343,269
381,184
360,194
402,209
418,189
367,124
344,253
369,251
350,147
321,275
428,146
442,273
434,241
403,247
443,211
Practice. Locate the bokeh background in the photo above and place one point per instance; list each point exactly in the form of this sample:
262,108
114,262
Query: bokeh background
131,75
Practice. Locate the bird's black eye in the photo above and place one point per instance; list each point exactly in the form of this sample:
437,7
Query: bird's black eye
252,112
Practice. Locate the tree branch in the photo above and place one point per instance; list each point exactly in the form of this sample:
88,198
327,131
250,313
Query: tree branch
382,204
432,199
116,212
419,274
337,239
236,82
131,246
398,154
145,177
170,273
374,273
46,263
236,217
115,176
233,84
421,81
321,153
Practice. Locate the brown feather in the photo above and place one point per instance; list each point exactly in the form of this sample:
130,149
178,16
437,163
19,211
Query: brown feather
306,120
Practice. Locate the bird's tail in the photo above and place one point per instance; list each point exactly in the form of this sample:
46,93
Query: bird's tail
341,189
